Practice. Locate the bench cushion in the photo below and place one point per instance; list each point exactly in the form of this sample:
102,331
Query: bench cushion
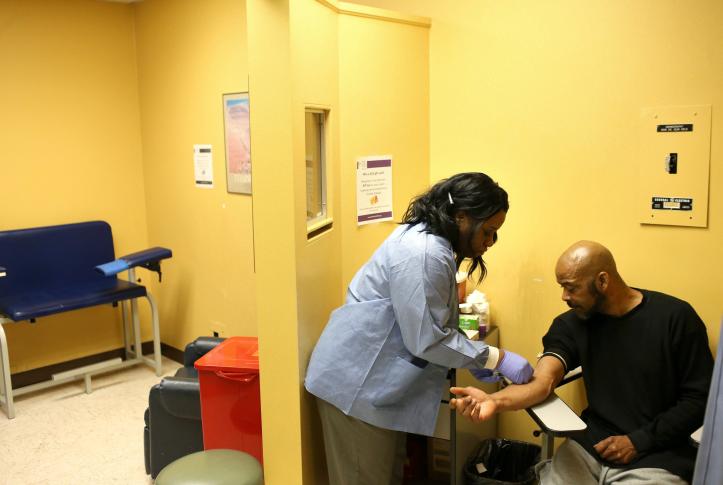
47,301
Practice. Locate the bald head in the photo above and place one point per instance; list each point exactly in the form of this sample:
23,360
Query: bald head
590,281
586,259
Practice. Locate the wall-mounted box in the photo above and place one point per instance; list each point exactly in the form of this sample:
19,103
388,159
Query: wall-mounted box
674,165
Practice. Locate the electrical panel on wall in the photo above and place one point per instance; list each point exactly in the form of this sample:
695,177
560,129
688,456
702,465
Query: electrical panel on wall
674,165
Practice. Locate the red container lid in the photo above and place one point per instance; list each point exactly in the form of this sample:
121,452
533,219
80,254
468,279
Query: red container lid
232,355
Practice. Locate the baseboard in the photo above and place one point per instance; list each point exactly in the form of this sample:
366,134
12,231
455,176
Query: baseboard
172,353
41,374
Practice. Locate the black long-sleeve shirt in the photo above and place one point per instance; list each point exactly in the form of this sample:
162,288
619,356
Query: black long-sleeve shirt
647,375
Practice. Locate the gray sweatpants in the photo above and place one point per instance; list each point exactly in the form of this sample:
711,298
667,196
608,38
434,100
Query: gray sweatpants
358,453
572,464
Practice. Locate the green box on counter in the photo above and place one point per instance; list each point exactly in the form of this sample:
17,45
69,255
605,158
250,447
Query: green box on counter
469,321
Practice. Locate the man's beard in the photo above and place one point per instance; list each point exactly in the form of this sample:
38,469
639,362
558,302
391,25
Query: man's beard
598,302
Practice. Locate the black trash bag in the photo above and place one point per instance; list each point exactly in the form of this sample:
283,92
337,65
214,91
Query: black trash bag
505,462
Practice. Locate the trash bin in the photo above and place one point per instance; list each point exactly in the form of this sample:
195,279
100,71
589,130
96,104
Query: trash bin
230,399
501,461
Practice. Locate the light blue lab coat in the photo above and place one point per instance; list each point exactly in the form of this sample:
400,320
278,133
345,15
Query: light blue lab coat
384,355
708,465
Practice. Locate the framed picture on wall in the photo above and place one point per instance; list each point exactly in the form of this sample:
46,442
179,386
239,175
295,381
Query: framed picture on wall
237,135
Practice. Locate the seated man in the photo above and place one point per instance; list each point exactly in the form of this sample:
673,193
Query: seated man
647,368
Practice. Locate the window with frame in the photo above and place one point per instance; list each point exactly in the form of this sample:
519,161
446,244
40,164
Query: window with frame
317,214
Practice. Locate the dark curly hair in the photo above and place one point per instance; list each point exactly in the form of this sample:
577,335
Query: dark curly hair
473,193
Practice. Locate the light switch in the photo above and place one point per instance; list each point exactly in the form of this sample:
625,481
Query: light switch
671,163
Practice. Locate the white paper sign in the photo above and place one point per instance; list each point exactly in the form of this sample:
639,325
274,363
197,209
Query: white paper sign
203,166
374,189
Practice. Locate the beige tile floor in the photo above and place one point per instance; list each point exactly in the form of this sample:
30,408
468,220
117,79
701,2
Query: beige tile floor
64,436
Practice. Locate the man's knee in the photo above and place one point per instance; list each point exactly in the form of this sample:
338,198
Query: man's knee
571,464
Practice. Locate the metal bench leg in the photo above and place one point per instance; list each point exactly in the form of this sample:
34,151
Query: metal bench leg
7,385
156,362
156,335
137,348
127,332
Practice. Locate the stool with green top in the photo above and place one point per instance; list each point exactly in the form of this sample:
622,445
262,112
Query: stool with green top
213,467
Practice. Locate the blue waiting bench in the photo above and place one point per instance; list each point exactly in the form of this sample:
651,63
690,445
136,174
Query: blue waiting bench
54,269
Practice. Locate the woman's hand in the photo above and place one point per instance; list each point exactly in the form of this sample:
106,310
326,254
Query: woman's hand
515,367
473,403
485,375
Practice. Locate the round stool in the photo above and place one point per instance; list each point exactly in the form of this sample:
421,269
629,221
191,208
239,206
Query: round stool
213,467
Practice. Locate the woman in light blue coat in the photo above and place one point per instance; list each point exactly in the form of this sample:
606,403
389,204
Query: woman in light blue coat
380,365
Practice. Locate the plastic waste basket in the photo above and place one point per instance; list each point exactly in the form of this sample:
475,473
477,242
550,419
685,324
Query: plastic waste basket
501,461
230,400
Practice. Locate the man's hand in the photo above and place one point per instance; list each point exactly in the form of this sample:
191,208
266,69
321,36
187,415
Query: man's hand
478,406
473,403
617,449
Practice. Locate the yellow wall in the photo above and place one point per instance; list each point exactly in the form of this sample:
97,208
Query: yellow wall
272,146
189,54
546,98
70,134
314,60
384,94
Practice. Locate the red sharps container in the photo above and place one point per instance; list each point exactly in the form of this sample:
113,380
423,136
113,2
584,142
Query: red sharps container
230,396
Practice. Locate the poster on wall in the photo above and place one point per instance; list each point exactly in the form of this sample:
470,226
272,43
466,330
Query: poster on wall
373,189
237,133
203,166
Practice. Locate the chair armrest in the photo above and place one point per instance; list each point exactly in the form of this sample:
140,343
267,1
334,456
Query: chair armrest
198,348
3,273
573,375
148,258
554,416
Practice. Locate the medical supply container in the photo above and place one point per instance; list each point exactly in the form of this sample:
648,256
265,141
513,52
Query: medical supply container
230,399
468,321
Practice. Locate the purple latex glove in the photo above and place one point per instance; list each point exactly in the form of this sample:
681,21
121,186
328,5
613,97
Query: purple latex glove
515,368
485,375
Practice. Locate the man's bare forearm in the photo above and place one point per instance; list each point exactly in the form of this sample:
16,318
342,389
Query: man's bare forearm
514,397
548,373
